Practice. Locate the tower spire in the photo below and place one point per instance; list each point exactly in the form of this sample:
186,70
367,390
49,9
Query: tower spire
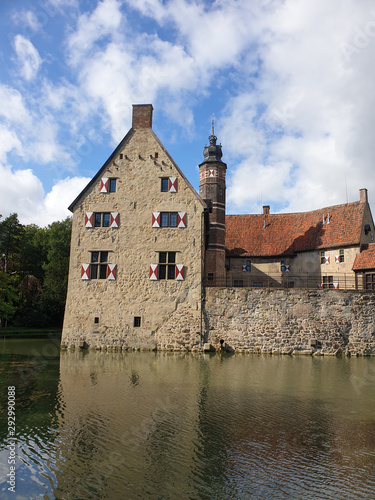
213,137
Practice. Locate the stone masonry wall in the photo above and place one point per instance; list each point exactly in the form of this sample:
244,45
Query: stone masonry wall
291,321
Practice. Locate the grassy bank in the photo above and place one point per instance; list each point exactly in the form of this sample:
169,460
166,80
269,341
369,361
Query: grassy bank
30,333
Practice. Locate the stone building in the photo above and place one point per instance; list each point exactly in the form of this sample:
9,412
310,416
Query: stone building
136,247
145,246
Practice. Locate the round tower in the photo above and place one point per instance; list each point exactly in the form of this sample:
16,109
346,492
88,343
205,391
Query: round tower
212,190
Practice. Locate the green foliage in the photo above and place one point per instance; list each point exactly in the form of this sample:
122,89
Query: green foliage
34,265
8,297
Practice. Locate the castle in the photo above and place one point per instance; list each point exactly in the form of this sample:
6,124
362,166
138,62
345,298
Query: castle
145,247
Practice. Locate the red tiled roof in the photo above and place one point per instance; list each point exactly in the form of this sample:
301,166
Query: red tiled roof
286,234
365,259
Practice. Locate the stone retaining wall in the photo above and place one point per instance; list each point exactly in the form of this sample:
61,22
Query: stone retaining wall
291,321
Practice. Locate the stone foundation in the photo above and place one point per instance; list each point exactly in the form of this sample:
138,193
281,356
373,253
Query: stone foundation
291,321
324,322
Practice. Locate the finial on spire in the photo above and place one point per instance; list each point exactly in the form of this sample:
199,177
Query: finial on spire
213,137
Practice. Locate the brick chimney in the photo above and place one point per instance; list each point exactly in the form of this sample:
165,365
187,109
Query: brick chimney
142,116
266,209
363,195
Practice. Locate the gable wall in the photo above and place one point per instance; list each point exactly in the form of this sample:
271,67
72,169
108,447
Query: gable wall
133,246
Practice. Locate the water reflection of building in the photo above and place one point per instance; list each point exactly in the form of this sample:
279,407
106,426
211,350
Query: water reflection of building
195,426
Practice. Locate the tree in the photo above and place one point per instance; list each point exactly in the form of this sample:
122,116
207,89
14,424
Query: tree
56,268
10,243
8,298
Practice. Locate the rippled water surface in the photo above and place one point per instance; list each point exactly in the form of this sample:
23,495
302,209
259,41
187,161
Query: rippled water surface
94,425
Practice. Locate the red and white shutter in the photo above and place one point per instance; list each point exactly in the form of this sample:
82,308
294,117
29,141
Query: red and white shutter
154,272
155,219
85,272
180,272
287,268
181,219
114,219
337,259
111,271
172,184
89,219
336,286
211,173
327,260
104,185
243,268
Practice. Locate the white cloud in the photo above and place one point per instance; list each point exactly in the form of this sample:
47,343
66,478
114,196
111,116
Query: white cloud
309,108
102,22
8,142
28,57
21,192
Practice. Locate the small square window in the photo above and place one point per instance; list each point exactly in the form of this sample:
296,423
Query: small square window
165,184
112,185
96,320
210,276
137,321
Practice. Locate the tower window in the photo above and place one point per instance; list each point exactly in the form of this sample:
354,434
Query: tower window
165,184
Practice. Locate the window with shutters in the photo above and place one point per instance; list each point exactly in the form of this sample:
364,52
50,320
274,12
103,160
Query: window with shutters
98,265
167,265
169,219
169,184
107,185
101,219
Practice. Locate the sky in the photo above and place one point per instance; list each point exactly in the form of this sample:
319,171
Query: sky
291,85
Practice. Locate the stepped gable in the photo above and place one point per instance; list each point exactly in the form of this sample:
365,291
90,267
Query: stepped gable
268,235
366,259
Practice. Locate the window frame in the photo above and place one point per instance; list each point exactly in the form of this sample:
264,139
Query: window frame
164,180
112,185
98,264
167,217
167,266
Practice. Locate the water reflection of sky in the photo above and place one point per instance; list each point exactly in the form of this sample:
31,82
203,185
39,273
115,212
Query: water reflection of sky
146,425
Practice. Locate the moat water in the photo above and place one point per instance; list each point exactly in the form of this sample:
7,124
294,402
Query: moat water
93,425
